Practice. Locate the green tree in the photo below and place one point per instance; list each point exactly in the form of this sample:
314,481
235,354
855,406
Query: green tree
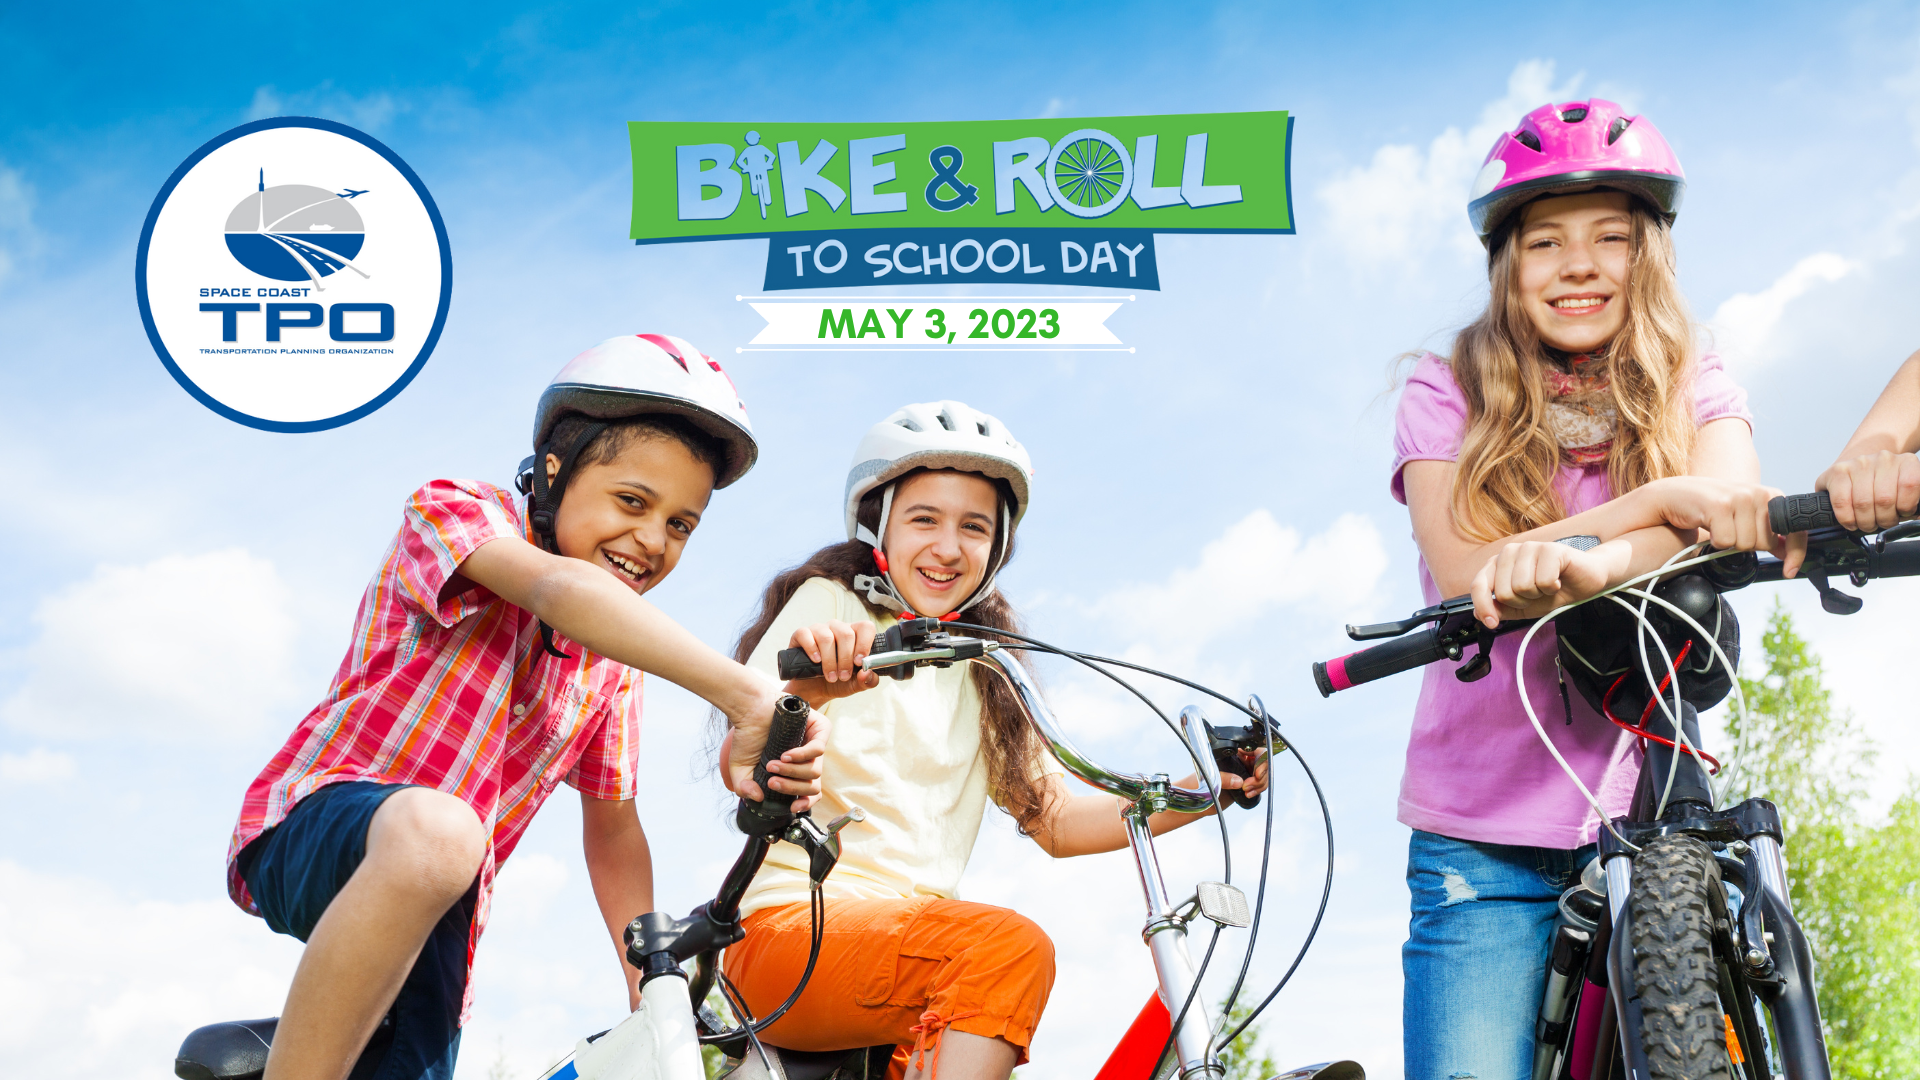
1248,1060
1855,882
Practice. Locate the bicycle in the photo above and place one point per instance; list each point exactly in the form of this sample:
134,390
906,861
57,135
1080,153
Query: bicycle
1174,1034
1683,921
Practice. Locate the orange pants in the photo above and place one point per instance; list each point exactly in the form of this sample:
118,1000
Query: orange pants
896,971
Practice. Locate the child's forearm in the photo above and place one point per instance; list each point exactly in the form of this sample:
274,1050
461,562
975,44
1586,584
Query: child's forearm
588,606
620,865
1090,824
1893,424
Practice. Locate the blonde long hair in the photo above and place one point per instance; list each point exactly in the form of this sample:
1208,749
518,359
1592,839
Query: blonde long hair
1508,457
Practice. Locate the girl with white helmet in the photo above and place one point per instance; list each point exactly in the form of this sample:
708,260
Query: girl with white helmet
498,652
1579,406
933,499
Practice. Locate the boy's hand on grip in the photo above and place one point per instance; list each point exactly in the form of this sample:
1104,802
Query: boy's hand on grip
795,772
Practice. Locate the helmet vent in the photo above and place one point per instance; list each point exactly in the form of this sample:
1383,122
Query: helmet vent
982,427
1529,140
1574,115
1617,129
907,423
946,421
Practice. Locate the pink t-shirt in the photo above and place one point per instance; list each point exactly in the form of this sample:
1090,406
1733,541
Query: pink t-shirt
1475,768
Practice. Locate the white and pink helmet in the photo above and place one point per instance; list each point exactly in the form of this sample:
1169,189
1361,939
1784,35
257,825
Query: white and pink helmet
1578,146
639,374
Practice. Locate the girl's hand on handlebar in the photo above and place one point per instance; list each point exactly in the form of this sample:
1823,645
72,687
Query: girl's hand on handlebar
1873,491
1252,785
839,648
796,772
1728,513
1530,578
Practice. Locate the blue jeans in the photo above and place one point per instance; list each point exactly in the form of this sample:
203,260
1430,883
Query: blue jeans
294,870
1475,960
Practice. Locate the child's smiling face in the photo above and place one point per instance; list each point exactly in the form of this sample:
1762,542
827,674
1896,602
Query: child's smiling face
1574,252
940,538
631,516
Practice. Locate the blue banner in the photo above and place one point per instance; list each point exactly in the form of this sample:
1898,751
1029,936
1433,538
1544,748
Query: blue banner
846,258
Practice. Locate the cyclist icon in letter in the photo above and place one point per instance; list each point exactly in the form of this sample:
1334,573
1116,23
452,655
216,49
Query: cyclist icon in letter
756,160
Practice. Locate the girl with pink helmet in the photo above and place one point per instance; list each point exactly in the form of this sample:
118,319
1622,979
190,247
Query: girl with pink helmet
1578,406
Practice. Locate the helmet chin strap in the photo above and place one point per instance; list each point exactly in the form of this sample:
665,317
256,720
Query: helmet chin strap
883,592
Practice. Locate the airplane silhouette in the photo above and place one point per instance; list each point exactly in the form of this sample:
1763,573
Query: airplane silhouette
350,193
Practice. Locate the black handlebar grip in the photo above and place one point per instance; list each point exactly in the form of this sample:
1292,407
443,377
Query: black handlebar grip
1229,761
1799,513
795,665
788,730
1418,649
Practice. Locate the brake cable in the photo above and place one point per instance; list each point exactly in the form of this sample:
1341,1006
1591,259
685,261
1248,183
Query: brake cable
1326,815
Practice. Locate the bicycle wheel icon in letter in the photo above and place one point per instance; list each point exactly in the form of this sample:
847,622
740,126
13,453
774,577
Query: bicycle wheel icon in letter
1089,173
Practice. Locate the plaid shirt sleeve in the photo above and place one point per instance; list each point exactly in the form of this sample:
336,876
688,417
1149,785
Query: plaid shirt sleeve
608,765
445,522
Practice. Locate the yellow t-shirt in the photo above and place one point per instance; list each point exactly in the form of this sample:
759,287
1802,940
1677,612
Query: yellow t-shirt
907,752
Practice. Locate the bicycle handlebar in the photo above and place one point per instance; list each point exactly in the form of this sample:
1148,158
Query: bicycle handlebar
904,646
1446,630
1801,513
1417,649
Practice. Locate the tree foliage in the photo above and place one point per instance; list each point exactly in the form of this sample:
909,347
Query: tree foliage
1855,881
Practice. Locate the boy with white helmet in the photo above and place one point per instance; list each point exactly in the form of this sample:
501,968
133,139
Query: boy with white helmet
497,652
932,501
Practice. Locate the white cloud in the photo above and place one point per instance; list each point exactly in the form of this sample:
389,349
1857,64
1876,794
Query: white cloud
369,113
1256,565
1744,323
183,646
96,983
1408,202
37,766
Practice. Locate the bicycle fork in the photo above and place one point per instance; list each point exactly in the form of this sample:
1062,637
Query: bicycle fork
1166,935
1767,943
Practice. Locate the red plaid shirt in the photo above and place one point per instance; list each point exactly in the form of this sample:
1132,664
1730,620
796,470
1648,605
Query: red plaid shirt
455,693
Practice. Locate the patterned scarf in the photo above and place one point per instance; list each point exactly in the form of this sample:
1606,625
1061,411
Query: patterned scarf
1580,410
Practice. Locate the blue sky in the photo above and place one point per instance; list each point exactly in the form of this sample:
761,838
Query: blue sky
178,587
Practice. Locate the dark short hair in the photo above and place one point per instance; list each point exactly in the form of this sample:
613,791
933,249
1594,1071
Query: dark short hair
614,439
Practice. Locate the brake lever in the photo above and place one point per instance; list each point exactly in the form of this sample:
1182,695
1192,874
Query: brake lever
1443,610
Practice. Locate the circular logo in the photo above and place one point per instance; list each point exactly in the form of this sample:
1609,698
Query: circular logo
294,274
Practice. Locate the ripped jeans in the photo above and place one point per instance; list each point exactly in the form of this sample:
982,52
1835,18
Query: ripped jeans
1476,953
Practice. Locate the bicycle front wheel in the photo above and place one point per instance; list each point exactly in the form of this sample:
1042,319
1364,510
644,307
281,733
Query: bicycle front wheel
1683,1024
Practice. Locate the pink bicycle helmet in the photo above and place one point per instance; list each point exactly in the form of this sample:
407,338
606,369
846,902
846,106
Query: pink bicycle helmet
1578,146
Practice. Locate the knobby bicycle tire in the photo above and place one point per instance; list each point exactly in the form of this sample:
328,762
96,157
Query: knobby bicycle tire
1683,1025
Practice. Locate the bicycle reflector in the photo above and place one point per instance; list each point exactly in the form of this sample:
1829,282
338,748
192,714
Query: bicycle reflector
1224,904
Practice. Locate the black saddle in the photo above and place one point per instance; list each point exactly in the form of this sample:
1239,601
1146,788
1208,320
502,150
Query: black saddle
237,1050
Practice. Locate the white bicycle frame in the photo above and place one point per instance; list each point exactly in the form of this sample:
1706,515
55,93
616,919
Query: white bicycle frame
659,1041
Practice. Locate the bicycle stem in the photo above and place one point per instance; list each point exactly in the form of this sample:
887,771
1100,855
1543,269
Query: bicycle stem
1166,937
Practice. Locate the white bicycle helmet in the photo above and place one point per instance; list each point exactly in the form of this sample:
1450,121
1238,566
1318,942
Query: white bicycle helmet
638,374
933,435
623,377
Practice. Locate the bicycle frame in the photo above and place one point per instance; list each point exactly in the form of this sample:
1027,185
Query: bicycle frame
659,1041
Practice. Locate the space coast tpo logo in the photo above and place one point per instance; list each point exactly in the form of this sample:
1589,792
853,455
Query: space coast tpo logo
294,274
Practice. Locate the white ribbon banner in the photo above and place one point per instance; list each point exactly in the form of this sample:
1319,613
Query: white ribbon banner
1041,323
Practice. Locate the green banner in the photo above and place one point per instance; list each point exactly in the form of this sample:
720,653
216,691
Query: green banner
1200,172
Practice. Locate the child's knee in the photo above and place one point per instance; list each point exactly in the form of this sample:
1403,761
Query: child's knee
1023,937
432,834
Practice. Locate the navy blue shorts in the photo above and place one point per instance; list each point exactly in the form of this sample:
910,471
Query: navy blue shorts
295,869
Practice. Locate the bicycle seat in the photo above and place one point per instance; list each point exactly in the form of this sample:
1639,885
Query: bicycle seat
234,1050
867,1063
